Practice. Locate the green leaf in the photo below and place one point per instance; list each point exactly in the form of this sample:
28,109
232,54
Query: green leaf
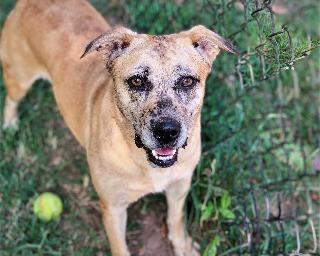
227,214
225,201
207,212
211,249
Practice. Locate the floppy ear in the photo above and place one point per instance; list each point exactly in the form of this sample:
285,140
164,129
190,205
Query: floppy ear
112,44
208,43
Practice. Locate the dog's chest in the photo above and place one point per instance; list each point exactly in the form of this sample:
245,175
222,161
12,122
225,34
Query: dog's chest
162,178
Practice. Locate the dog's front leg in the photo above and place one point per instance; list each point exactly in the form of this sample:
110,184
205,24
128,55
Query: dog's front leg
115,222
182,242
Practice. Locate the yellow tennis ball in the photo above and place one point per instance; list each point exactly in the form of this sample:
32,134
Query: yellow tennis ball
48,206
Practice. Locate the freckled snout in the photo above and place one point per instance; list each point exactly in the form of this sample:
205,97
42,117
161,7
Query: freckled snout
166,131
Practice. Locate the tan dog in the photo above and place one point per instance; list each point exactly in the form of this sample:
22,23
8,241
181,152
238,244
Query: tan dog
139,120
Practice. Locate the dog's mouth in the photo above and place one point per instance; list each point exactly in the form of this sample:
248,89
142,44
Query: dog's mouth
163,157
160,157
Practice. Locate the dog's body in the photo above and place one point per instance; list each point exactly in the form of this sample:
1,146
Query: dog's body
129,155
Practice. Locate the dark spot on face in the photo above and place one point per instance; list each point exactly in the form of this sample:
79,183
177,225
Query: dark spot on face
185,144
161,43
138,142
183,70
163,108
124,45
165,103
144,116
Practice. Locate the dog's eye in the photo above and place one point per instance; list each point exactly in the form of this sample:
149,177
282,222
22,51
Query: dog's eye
139,83
135,81
187,82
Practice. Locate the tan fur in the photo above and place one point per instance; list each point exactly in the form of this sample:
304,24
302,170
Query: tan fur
45,39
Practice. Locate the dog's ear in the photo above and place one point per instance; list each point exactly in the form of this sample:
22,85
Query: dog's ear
112,44
208,43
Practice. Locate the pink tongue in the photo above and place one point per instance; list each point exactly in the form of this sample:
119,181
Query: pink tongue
164,151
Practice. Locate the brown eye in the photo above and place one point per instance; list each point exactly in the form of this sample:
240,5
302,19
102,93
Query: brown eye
139,83
187,81
136,81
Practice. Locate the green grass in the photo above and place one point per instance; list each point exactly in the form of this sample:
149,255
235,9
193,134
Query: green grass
260,134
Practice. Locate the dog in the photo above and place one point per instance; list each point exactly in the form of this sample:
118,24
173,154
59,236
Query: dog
133,101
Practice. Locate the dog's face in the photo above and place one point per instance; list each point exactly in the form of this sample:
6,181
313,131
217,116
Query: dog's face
159,83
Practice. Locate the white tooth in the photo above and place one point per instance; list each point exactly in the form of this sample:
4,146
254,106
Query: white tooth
165,158
154,153
174,151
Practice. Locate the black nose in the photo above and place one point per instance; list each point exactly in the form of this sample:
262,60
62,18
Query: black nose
166,131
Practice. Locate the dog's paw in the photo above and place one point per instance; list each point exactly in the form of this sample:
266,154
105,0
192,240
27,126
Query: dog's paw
189,248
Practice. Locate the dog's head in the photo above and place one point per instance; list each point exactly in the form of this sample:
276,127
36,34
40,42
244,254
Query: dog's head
159,83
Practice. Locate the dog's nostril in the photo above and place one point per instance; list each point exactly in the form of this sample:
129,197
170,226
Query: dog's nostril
173,133
167,131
